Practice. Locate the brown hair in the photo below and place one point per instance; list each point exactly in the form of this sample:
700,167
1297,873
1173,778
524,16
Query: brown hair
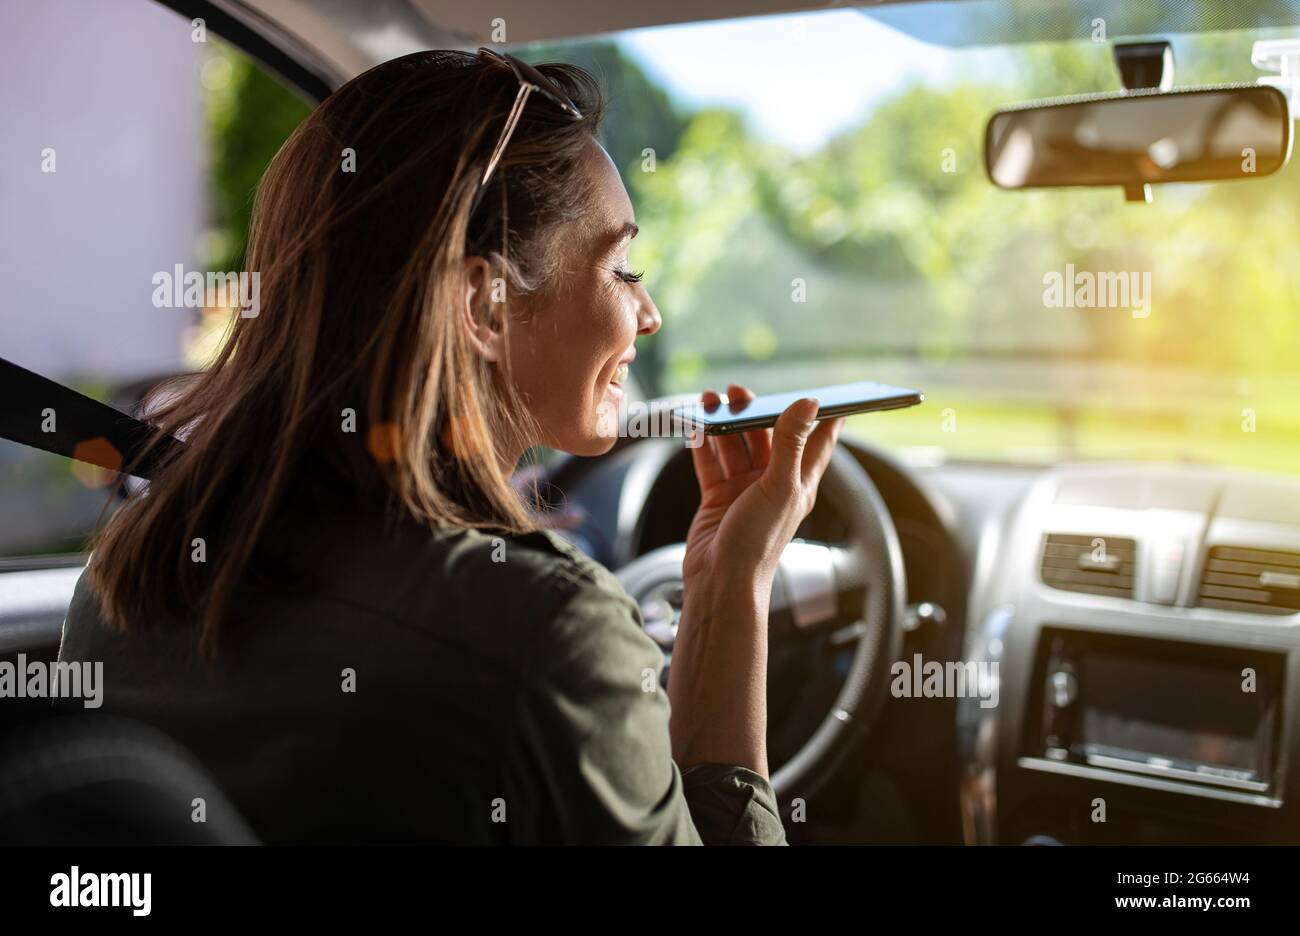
361,274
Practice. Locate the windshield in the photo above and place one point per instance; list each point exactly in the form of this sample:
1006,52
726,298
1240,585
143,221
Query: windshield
814,209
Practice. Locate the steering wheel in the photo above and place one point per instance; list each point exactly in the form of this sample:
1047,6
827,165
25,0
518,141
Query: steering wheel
813,583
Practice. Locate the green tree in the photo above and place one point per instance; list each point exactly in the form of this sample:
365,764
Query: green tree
641,116
249,118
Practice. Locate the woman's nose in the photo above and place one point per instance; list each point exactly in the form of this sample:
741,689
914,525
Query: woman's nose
648,319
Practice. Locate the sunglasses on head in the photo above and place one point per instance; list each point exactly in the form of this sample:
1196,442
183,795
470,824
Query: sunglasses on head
530,80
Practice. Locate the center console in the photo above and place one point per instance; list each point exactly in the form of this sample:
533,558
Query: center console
1146,625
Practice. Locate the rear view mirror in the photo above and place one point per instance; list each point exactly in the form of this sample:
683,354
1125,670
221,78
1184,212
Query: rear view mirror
1136,138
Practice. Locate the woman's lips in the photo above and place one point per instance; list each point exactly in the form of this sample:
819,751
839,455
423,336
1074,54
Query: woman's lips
619,377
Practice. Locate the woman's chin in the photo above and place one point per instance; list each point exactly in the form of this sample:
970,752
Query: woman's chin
594,444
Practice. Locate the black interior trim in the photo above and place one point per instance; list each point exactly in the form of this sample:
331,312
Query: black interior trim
289,70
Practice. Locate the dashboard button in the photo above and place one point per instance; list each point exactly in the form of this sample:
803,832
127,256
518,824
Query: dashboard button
1065,688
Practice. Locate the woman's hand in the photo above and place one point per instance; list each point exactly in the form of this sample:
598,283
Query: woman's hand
755,488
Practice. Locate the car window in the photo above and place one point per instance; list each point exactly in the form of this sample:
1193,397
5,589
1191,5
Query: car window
816,210
122,164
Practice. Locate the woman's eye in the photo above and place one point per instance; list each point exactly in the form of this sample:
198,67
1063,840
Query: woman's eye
628,276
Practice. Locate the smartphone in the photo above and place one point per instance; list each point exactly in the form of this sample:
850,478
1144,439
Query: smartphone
762,411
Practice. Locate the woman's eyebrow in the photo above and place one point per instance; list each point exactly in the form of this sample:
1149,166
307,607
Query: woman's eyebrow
628,231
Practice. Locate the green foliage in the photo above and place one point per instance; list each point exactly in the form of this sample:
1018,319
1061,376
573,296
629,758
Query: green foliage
904,198
641,115
250,115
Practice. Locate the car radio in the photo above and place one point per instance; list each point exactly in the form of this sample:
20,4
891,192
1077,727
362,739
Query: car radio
1188,712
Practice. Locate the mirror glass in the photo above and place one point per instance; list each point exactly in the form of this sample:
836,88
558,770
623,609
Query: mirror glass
1138,138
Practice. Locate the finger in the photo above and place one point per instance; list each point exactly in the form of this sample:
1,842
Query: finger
733,448
733,454
788,439
756,441
760,447
738,397
817,453
708,470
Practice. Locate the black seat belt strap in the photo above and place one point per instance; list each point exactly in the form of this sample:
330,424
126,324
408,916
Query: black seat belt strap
78,427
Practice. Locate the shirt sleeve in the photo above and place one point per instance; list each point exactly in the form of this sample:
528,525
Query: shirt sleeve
591,759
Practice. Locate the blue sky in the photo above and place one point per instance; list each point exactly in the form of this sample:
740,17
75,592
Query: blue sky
800,78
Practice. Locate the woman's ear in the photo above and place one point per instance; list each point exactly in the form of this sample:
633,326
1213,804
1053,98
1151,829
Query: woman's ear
482,316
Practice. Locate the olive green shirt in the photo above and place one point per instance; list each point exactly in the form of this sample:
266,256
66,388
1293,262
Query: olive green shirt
381,682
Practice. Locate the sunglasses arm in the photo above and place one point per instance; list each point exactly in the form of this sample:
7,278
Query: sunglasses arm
512,120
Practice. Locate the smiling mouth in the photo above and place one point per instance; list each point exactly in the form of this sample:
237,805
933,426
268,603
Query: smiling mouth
619,377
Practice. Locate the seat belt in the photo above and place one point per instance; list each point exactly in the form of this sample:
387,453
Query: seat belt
79,426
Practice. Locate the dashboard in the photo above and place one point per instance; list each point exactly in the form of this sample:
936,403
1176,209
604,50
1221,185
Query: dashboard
1140,623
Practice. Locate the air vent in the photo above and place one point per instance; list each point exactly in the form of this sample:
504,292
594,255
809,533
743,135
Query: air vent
1263,581
1098,565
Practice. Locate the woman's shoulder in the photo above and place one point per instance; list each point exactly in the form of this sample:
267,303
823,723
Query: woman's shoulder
541,555
383,557
542,581
541,567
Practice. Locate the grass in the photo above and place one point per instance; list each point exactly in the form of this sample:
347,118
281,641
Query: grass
960,428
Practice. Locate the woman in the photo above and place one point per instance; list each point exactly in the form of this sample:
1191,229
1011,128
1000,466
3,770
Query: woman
332,594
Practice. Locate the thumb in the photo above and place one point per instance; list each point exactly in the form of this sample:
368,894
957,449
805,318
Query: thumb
788,438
